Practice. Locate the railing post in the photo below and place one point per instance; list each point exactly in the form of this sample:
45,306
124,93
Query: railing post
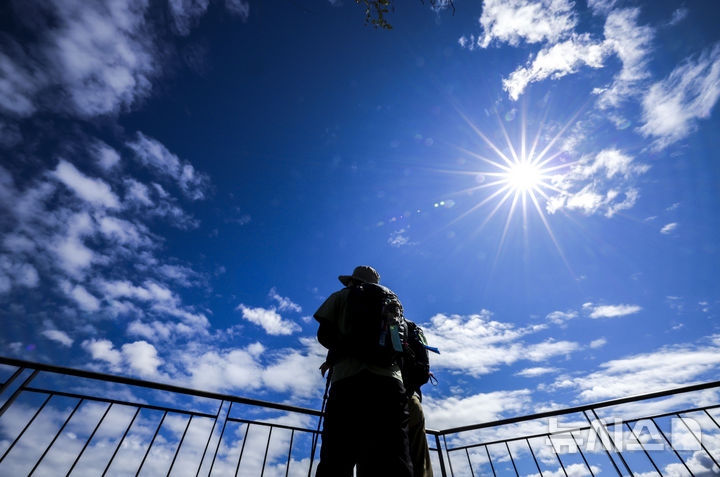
440,455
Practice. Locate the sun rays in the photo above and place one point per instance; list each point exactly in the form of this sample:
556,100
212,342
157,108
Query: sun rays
516,177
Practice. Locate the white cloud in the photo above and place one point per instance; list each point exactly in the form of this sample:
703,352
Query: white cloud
186,12
398,238
155,155
84,299
667,368
533,21
240,8
678,15
602,6
142,358
672,106
668,228
59,336
284,303
600,183
631,42
106,156
483,407
556,61
103,350
610,311
598,343
94,191
534,372
17,87
560,317
269,319
477,344
16,272
137,192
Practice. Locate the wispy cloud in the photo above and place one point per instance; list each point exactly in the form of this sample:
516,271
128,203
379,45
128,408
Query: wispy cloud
58,336
94,191
269,319
598,343
560,317
610,311
284,303
670,367
672,107
598,183
668,228
154,154
631,42
556,61
534,372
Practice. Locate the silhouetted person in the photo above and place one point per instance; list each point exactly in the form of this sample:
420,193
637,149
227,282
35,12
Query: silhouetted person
366,416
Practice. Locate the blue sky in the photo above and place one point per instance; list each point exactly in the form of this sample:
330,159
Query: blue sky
183,182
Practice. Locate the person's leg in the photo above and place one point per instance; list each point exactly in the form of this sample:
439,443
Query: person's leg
338,450
419,450
385,450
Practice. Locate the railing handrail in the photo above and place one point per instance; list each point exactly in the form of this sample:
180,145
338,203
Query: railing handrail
582,408
313,412
154,385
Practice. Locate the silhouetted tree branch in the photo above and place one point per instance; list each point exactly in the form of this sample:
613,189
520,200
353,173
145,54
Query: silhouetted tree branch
375,10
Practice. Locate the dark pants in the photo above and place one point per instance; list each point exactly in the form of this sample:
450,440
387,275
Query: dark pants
366,423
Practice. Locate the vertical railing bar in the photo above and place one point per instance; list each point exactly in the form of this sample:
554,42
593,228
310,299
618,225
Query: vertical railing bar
637,438
11,379
77,459
533,456
492,467
440,455
17,439
558,455
267,447
177,451
472,473
452,474
615,447
209,438
242,449
117,448
697,439
212,464
517,474
617,469
287,466
592,474
56,436
147,452
17,392
669,444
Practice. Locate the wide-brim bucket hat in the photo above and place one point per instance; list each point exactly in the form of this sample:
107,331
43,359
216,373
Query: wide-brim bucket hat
363,273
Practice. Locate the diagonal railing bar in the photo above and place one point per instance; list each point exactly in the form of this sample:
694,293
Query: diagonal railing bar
122,439
77,459
11,379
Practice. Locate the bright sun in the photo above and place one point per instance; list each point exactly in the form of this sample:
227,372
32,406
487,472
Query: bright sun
524,176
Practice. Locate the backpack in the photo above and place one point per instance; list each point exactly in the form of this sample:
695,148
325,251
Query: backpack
376,326
416,362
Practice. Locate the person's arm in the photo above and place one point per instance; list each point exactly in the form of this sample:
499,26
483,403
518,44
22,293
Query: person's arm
327,316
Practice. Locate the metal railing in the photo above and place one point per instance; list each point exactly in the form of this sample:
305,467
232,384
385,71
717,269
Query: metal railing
577,441
63,421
